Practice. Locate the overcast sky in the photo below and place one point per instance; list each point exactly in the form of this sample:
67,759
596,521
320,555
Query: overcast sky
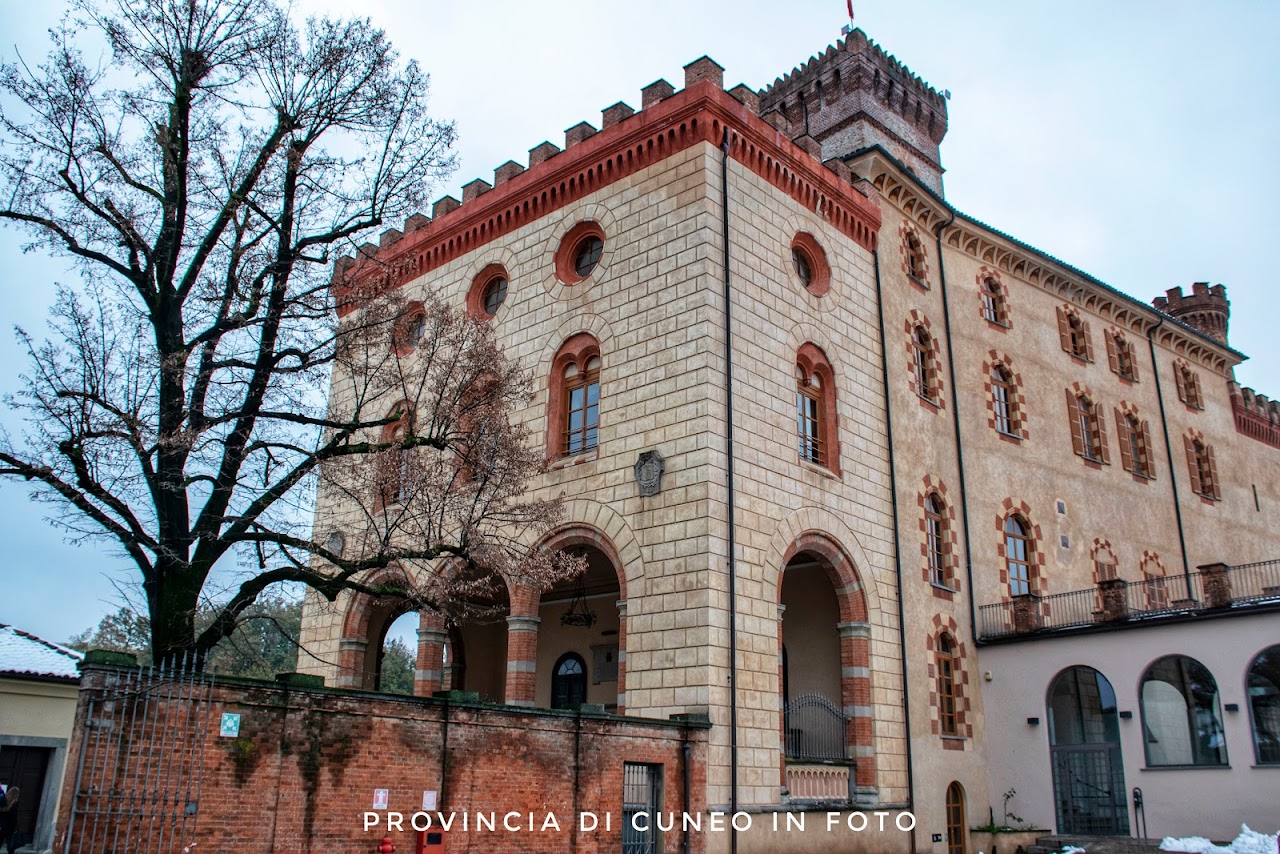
1136,140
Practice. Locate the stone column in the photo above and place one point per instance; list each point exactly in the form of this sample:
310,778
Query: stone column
1115,598
1217,585
522,646
351,663
428,677
855,688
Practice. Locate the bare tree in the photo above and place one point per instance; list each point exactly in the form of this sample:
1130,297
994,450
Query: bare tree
199,177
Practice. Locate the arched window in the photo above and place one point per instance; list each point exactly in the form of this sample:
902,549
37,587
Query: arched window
1104,564
394,474
1088,437
1188,383
569,682
409,328
1204,472
816,427
1017,555
1181,720
573,417
1263,688
993,306
947,667
1084,745
956,825
1074,332
1120,355
1135,444
1002,397
915,259
935,536
922,362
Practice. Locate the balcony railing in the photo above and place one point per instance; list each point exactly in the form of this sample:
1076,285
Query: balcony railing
1213,588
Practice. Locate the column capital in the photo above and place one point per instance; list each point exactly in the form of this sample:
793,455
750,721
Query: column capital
523,623
854,629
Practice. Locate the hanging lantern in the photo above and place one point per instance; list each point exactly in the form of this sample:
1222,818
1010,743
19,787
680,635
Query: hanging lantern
579,614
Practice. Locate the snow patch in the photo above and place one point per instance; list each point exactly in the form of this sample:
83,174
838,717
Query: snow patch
1248,842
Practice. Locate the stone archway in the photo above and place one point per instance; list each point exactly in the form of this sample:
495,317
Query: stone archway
818,579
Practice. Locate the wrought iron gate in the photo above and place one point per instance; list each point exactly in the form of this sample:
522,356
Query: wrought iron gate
137,784
816,729
1088,789
641,793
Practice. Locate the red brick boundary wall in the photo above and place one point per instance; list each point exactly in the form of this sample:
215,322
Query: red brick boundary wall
303,769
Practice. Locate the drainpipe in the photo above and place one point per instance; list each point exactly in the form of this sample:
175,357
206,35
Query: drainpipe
733,568
684,749
897,549
955,419
1168,449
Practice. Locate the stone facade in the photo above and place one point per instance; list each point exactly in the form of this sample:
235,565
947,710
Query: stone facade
956,388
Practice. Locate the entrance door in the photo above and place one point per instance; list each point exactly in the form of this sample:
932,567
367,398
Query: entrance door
25,768
641,793
1088,771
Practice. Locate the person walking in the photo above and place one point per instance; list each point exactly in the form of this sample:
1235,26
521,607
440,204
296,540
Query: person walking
9,817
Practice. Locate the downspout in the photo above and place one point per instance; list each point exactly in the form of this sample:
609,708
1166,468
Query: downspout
897,550
955,419
684,749
733,570
1168,450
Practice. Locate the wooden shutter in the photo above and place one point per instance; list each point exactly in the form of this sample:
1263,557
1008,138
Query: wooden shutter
1122,436
1088,340
1193,390
1148,464
1214,489
1179,377
1073,418
1100,424
1064,330
1113,358
1133,360
1192,465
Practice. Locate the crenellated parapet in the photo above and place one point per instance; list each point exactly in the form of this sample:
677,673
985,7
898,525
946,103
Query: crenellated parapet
1257,416
1205,309
628,141
854,96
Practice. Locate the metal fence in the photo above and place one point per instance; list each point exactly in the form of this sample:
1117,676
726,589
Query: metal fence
816,729
137,783
1255,582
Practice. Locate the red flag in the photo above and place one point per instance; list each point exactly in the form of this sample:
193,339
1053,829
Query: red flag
850,4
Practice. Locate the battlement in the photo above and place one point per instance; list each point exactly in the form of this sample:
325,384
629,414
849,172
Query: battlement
855,95
627,140
1256,415
1205,309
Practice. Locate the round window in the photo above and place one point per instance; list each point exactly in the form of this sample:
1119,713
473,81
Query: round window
809,262
804,269
587,254
495,294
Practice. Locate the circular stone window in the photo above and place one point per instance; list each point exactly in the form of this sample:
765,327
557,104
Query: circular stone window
579,253
809,263
488,292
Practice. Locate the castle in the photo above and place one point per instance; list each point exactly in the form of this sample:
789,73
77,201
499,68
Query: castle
913,512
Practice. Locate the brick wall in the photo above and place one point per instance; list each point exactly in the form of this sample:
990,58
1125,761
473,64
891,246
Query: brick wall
303,770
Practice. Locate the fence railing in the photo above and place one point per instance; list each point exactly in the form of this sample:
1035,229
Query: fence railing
1215,587
816,729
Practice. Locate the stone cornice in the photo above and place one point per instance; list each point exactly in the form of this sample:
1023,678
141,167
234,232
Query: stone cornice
699,113
1023,262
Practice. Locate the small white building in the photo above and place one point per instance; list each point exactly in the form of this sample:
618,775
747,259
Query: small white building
38,686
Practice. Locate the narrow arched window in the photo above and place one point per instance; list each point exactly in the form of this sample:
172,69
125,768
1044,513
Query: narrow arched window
1002,400
573,416
935,532
993,308
816,426
1017,555
915,259
1079,336
569,682
957,827
1087,437
394,474
946,667
1264,705
922,363
1204,480
1181,719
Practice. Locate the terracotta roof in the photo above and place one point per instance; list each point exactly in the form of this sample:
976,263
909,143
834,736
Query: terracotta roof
24,654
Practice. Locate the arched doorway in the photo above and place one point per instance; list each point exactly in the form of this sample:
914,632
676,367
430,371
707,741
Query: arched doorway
580,632
1084,742
826,729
